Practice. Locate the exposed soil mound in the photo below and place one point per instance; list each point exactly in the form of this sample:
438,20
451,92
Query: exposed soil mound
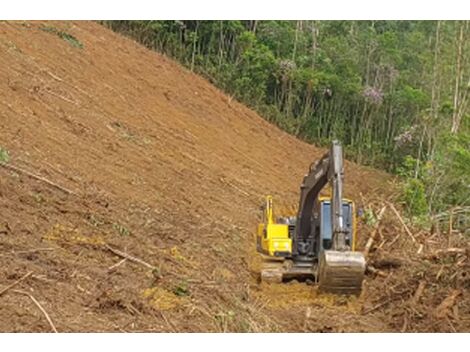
144,158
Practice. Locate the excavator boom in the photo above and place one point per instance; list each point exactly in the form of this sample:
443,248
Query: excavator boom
339,269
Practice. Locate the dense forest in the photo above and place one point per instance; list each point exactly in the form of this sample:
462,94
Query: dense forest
395,93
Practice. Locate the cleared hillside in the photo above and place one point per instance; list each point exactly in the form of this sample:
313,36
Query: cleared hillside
161,165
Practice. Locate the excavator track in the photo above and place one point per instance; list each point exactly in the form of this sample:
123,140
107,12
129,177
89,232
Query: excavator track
341,272
272,271
279,271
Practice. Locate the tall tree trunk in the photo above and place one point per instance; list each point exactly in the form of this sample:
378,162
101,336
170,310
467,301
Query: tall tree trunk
458,76
221,43
315,32
193,54
435,85
294,52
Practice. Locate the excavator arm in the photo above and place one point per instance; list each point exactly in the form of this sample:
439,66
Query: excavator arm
339,269
329,169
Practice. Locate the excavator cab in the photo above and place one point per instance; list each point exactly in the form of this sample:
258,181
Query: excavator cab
324,228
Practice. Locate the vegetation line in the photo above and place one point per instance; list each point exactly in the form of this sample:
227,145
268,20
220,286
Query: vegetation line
394,92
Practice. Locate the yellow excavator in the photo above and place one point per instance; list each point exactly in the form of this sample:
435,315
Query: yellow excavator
319,243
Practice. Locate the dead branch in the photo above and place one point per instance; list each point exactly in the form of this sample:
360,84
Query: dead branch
443,309
15,283
451,325
374,232
420,249
451,251
447,251
169,323
36,177
402,222
381,244
48,318
60,96
405,324
375,271
224,181
35,250
130,257
394,240
308,314
114,266
374,308
419,292
439,273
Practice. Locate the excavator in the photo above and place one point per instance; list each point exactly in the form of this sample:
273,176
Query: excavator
319,243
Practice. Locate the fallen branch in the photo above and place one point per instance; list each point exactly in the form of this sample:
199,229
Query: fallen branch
447,251
60,97
394,240
130,257
419,292
374,308
35,250
451,251
375,271
405,324
15,283
402,222
224,181
36,177
439,273
443,309
374,232
420,249
114,266
40,308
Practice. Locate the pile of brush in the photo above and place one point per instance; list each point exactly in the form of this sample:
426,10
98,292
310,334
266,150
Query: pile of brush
418,279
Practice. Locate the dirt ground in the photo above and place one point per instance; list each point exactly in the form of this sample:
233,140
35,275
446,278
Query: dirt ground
152,160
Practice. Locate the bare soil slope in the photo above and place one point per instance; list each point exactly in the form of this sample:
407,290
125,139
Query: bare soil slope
153,161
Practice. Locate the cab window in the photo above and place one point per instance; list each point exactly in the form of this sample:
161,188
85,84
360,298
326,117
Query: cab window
326,229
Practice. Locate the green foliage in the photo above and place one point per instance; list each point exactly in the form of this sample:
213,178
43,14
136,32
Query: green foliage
450,181
4,155
412,97
413,187
95,220
38,197
181,289
64,35
384,88
369,217
121,230
407,169
414,196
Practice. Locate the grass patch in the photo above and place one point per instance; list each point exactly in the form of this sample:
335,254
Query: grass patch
4,155
181,289
95,220
122,230
38,197
73,41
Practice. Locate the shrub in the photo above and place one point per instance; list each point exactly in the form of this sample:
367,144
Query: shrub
414,196
4,156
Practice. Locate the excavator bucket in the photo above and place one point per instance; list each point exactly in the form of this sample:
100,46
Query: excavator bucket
341,272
